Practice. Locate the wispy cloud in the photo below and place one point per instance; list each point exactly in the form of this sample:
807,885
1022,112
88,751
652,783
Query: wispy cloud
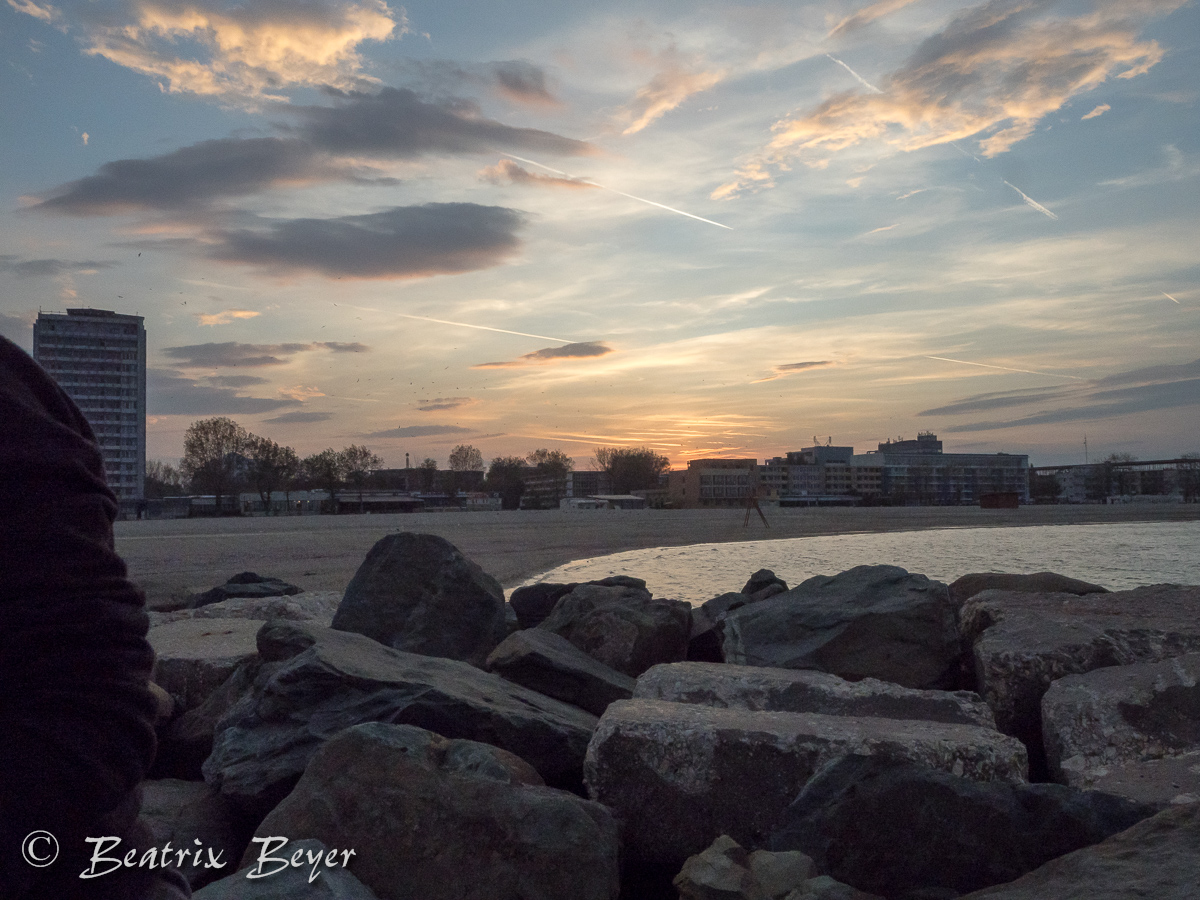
1030,202
870,87
300,418
438,404
794,368
583,350
679,76
225,316
419,431
171,393
231,354
867,16
508,172
51,268
996,69
1098,111
522,82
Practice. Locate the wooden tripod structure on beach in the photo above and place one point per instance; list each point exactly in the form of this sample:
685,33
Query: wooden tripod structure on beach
752,504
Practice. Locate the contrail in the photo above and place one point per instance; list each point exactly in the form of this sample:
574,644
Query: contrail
615,191
1169,297
1031,202
870,87
540,337
1006,368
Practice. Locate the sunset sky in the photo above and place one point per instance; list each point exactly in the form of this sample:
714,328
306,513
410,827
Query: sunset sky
707,228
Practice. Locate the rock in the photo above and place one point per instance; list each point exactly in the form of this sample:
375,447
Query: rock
1157,858
183,812
764,580
549,664
704,638
622,626
164,705
725,871
311,606
871,621
332,883
903,830
193,657
1111,720
534,602
330,680
419,594
446,819
678,774
1023,642
795,690
966,587
187,743
825,888
245,584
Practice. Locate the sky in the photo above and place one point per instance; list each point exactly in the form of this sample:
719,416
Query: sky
712,229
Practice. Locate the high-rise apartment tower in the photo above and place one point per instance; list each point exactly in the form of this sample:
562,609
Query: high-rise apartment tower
99,358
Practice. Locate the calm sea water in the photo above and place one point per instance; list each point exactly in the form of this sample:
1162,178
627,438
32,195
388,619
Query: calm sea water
1119,556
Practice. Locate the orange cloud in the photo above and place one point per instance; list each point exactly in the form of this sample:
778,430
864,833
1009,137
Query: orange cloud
225,316
679,77
248,52
582,350
868,15
994,72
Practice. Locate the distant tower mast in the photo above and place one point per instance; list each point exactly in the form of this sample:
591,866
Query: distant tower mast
1085,450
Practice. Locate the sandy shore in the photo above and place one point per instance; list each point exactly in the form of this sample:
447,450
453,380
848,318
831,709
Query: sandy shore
175,558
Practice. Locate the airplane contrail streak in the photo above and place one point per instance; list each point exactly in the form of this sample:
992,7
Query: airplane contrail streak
870,87
1169,297
1031,202
615,191
541,337
1006,368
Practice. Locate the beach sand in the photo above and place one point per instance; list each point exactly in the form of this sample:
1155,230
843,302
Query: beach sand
172,559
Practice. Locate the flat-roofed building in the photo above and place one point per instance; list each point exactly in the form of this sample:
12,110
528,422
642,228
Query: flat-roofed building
99,358
713,482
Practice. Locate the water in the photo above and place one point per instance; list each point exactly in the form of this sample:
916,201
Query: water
1120,557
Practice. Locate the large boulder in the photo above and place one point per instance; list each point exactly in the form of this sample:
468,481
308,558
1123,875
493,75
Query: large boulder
549,664
245,584
763,584
869,622
418,593
184,812
1023,642
330,680
903,830
966,587
446,819
1157,858
622,626
797,690
533,602
193,657
1106,727
726,871
288,882
678,775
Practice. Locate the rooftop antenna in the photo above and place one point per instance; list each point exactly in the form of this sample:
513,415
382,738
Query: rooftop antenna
1085,450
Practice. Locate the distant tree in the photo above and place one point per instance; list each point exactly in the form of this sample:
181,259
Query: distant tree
162,480
358,464
465,458
504,477
326,470
271,468
427,471
556,465
631,468
212,456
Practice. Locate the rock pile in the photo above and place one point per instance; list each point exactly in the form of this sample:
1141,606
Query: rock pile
867,735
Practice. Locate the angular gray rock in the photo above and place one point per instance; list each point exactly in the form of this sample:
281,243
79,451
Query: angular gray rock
533,602
549,664
1157,858
871,621
677,775
446,819
726,871
419,594
332,883
330,680
310,606
183,812
193,657
903,830
797,690
968,586
1023,642
622,626
245,584
1116,719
